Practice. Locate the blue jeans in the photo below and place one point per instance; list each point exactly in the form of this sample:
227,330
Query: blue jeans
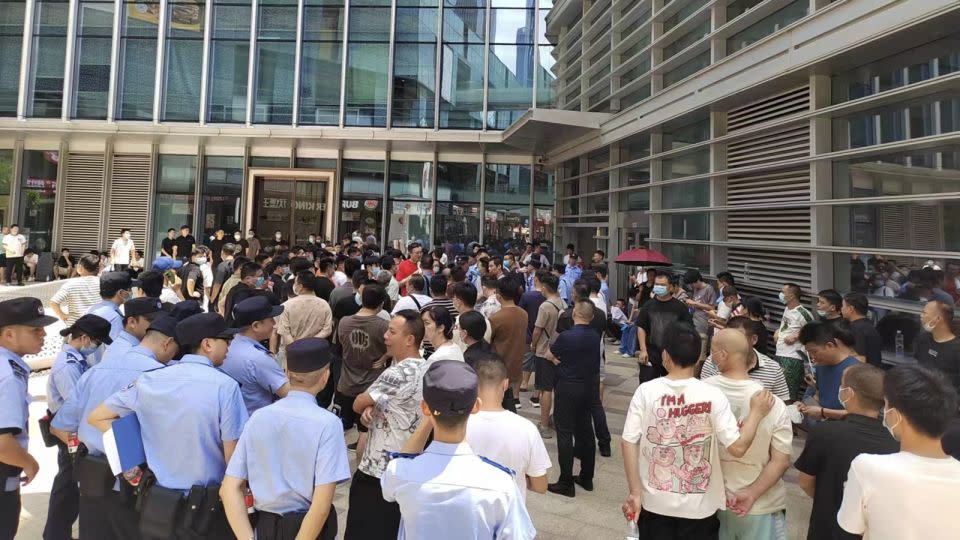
628,342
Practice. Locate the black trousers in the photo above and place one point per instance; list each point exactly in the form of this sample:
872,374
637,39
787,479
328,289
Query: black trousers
654,369
369,516
9,513
325,397
111,517
509,402
272,526
659,527
64,503
15,264
572,417
599,417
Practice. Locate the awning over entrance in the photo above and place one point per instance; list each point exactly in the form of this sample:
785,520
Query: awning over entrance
539,130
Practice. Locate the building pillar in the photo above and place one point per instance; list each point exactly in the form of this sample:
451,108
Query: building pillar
718,193
821,186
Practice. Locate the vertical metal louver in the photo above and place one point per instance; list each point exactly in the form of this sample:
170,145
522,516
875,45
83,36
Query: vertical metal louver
83,203
129,197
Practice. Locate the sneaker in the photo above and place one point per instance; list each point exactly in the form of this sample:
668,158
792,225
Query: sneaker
517,404
535,401
544,432
625,355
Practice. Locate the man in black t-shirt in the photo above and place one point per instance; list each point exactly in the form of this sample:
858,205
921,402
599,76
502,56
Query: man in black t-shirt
191,278
168,243
655,316
832,446
184,243
938,347
216,246
222,272
868,342
327,266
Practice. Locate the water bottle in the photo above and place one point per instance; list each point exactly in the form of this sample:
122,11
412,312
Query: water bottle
633,533
898,345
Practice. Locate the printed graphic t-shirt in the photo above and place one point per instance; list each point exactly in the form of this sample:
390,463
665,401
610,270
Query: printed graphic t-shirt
397,393
678,425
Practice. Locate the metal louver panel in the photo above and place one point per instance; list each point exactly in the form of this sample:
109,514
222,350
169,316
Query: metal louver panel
770,108
905,227
83,198
769,269
789,143
772,225
781,225
129,197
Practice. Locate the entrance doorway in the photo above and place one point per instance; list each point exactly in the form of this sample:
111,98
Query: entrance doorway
296,202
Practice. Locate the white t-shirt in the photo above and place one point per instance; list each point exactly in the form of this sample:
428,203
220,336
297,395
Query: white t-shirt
407,302
121,251
775,431
339,278
207,274
599,302
618,316
512,441
678,424
447,351
793,320
901,496
14,245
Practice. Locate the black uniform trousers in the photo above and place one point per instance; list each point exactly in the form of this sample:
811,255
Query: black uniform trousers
15,265
64,503
600,420
654,369
573,420
111,517
9,512
369,516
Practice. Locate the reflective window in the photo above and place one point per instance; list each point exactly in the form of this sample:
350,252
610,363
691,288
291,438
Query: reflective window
138,60
768,25
176,178
415,65
458,182
6,180
507,184
686,195
229,61
361,202
926,226
686,226
367,67
184,59
321,63
686,69
898,122
635,147
898,279
510,72
48,57
599,159
635,175
546,77
271,162
458,206
276,44
635,200
690,164
906,173
411,180
687,256
92,69
692,36
505,226
542,225
461,76
411,215
686,131
11,41
38,194
222,186
739,7
316,163
543,188
689,9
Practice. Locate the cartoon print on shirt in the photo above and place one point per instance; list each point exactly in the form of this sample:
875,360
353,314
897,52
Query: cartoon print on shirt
662,468
681,434
695,471
665,432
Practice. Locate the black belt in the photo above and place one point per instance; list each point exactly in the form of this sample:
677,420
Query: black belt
164,511
272,526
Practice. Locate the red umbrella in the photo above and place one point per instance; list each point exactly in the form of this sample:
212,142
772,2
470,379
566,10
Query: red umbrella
643,257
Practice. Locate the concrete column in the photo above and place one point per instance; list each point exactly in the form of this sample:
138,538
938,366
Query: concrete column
718,193
821,186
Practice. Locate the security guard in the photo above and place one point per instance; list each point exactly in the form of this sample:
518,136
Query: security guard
21,332
106,507
191,415
249,362
448,487
85,335
138,313
304,451
115,288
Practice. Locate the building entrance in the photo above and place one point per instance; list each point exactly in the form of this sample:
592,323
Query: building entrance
295,202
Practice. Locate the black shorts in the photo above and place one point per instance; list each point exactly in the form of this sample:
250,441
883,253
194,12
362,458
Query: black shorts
349,418
546,375
657,526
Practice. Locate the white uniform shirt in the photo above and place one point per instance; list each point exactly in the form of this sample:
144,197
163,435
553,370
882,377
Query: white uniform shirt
449,488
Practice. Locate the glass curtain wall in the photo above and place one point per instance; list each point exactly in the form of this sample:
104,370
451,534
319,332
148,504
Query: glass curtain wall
411,215
415,64
38,195
6,180
184,58
321,61
222,187
138,60
361,200
368,51
510,71
543,196
229,61
176,178
276,46
461,76
458,206
11,40
506,206
92,69
48,57
546,78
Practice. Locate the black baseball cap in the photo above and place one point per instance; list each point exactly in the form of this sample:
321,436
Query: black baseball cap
142,306
450,388
196,328
25,311
308,354
113,282
94,326
254,309
165,324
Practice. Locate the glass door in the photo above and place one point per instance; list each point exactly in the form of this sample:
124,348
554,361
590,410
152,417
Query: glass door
310,210
297,208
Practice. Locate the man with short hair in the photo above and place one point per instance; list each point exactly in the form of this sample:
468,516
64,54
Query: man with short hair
325,269
910,494
14,245
249,362
598,257
831,350
184,244
304,315
168,246
115,289
571,273
704,301
191,275
869,344
545,334
413,299
409,266
251,279
757,499
464,300
76,296
760,368
530,301
349,288
222,272
652,323
789,353
508,332
938,347
832,446
829,304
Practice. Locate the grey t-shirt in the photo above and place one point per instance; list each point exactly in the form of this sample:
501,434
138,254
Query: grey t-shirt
706,295
362,340
547,316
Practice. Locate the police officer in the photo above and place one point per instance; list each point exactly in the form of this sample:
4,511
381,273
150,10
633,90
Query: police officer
21,332
138,313
108,513
292,454
248,361
115,289
191,415
473,493
83,337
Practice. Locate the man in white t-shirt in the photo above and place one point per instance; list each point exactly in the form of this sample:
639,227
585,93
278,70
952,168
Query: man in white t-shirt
790,354
413,300
120,252
670,444
911,494
757,498
505,437
14,245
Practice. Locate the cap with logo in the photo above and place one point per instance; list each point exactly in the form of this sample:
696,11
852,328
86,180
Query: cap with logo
94,326
450,387
165,324
162,264
142,306
113,282
196,328
308,354
25,311
184,309
254,309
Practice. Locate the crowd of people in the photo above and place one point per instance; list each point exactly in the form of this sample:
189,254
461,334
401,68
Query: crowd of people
429,357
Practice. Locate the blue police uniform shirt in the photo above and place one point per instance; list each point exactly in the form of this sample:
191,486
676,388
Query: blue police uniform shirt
304,447
64,374
449,488
115,373
14,402
185,411
259,375
120,346
111,313
570,275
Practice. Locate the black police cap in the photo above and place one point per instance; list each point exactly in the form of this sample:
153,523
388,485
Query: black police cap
450,388
94,326
254,309
196,328
25,311
165,324
308,354
142,306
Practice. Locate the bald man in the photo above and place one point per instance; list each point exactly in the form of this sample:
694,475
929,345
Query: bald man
758,500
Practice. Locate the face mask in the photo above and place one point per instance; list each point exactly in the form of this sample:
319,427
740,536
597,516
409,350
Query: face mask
436,269
356,298
886,414
260,281
312,239
660,290
249,235
201,260
126,236
842,401
723,310
928,326
278,236
236,236
90,349
782,297
821,313
506,265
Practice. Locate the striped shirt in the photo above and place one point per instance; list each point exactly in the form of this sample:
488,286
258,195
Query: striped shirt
767,372
76,296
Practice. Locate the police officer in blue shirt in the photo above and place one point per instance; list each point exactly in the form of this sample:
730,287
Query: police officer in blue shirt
248,361
106,507
115,289
304,451
83,337
448,487
138,313
191,416
22,322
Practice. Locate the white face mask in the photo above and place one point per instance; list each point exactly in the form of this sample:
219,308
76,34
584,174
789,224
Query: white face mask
237,236
821,313
201,260
928,327
278,236
842,401
723,310
886,414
